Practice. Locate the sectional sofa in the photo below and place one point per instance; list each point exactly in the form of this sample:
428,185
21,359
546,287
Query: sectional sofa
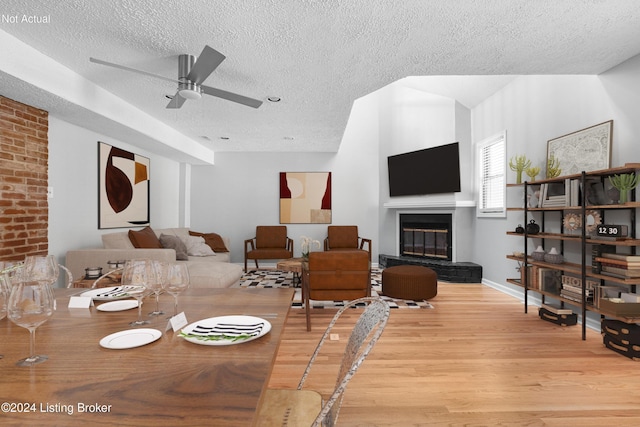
206,254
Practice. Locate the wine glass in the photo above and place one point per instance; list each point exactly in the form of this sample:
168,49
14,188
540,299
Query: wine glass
175,281
156,285
5,288
136,276
30,305
40,268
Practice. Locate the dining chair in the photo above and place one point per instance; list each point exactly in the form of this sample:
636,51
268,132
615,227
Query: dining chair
270,242
305,407
68,274
345,238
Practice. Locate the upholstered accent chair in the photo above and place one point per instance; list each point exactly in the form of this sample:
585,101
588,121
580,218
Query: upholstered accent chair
270,242
335,276
345,237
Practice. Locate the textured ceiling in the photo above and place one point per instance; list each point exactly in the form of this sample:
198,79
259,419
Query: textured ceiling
319,56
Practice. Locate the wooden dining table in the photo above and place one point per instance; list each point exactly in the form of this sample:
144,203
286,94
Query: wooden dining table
168,382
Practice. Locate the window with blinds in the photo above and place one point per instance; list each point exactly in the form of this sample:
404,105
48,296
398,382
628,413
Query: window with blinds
491,166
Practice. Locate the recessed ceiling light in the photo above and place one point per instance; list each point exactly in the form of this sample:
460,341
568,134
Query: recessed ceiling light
288,138
224,137
273,99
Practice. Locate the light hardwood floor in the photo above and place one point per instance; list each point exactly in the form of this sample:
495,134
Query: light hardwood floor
474,360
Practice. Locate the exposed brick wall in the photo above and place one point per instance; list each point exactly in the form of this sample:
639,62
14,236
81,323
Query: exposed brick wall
24,154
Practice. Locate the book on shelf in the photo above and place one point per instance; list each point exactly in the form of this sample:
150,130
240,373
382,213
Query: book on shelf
571,192
553,204
577,282
608,238
529,280
542,195
616,275
554,194
577,290
622,257
533,281
598,251
622,267
573,296
623,272
575,199
624,264
557,309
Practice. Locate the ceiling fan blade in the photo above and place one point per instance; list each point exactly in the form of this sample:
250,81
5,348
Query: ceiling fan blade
208,61
176,102
234,97
122,67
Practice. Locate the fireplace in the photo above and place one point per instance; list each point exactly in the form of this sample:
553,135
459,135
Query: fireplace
450,248
426,236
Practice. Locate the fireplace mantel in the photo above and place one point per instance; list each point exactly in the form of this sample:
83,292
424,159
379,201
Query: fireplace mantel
421,204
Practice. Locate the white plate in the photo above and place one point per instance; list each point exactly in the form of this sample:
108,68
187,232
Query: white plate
206,331
130,338
112,293
121,305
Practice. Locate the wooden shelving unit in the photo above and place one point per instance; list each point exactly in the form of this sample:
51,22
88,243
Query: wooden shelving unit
583,243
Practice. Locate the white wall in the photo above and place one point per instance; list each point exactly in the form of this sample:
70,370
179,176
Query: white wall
242,189
73,174
534,109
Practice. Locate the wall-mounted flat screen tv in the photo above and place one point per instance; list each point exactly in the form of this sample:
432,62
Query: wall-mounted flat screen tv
429,171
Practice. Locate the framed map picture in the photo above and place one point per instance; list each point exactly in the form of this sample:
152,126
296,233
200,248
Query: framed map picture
585,150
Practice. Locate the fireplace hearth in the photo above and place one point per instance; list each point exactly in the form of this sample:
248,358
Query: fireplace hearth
447,271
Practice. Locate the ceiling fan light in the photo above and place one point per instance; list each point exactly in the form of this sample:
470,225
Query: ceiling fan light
189,90
189,94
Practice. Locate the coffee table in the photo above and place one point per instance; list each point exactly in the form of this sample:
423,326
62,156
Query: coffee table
294,265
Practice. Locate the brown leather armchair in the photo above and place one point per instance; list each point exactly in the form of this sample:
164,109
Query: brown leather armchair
270,242
335,276
345,237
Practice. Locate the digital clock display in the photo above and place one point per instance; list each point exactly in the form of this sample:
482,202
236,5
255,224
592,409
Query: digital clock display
610,230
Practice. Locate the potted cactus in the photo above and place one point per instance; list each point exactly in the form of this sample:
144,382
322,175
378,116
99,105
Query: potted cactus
519,165
623,183
553,167
532,172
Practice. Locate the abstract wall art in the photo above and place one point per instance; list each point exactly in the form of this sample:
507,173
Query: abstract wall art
123,188
305,197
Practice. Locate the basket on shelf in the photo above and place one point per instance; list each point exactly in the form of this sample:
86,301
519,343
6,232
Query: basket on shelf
554,258
538,254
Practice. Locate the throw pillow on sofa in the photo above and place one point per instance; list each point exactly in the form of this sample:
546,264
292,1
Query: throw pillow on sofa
214,241
145,238
197,247
173,242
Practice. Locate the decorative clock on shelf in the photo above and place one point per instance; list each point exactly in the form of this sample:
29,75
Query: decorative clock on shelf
612,230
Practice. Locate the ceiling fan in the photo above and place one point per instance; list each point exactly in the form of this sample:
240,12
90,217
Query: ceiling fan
191,74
